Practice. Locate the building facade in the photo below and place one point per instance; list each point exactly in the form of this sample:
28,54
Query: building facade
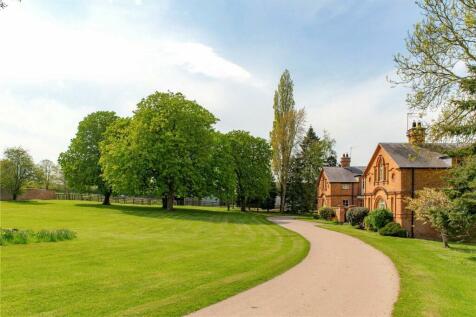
397,170
340,187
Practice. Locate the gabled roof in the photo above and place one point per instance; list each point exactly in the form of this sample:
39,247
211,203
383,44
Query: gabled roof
407,155
343,174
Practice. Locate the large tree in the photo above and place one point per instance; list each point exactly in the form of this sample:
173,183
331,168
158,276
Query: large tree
440,68
165,148
222,176
313,154
80,163
287,130
252,156
16,170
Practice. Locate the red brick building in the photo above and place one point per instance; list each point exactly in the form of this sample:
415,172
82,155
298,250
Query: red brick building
340,187
397,170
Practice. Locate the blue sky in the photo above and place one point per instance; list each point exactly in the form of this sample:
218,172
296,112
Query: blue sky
64,59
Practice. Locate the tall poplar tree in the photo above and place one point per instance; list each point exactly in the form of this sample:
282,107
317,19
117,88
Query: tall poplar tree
286,134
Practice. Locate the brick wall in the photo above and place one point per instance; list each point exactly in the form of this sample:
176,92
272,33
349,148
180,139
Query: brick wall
30,194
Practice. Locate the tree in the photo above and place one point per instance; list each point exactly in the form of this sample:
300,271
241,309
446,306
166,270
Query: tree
80,163
440,67
222,169
286,133
48,172
16,170
458,118
462,191
165,148
305,168
269,202
433,206
252,156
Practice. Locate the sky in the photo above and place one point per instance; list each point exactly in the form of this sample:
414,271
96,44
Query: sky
61,60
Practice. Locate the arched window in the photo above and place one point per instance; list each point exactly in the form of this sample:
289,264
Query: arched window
381,204
381,170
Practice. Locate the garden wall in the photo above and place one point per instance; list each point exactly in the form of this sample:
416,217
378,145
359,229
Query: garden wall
30,194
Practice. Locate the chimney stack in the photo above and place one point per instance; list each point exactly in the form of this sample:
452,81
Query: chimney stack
416,134
345,160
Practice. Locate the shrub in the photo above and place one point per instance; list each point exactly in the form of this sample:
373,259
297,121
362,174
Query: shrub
355,216
15,236
393,229
55,235
315,215
377,219
326,213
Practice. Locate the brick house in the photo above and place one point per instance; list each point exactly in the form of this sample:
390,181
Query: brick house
396,170
340,187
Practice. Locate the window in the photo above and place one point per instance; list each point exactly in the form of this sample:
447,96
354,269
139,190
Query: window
345,202
381,170
345,186
381,204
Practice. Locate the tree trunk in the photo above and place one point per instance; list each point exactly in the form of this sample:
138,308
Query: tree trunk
228,206
282,198
243,204
444,238
107,196
14,196
170,200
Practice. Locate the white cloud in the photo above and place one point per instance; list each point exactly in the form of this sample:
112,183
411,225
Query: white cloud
55,72
41,49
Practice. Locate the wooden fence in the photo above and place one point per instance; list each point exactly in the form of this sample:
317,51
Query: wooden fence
113,199
138,200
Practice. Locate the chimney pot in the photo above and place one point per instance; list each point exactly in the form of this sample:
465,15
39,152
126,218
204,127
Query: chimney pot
416,134
345,160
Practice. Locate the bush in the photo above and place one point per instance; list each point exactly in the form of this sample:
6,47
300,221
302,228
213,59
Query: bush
377,219
315,215
355,216
55,235
326,213
393,229
16,236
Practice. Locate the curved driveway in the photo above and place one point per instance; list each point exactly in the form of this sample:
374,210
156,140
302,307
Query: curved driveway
341,276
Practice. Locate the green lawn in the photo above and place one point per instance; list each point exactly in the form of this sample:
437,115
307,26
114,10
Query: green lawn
433,281
137,260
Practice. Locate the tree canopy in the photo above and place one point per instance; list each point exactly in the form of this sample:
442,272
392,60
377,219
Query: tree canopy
164,148
252,156
222,176
16,170
313,154
80,163
440,67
